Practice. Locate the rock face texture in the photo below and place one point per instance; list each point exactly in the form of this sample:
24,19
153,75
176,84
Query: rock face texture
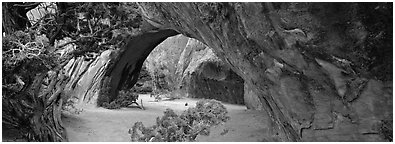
203,75
162,62
322,71
191,69
251,99
85,79
124,70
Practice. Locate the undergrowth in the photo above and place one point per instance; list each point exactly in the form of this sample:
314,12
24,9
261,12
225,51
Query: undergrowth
185,127
124,99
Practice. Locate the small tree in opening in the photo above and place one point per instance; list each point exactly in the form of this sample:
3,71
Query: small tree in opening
185,127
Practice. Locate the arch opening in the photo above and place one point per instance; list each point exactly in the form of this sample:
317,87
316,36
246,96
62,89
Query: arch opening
179,67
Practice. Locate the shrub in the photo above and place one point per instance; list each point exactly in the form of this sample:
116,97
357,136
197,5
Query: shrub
185,127
124,99
142,88
103,99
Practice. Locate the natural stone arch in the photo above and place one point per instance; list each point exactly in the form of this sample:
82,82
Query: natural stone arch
124,70
296,60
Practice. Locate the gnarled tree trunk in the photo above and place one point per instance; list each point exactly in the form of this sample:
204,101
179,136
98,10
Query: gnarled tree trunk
14,15
35,111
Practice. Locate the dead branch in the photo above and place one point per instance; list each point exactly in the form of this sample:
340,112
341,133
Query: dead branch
28,5
67,43
51,84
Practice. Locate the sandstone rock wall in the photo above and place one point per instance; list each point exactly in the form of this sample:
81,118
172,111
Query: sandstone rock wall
188,68
322,71
162,62
204,75
124,69
85,78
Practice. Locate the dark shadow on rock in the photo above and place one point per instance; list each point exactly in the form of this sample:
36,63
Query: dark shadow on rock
124,72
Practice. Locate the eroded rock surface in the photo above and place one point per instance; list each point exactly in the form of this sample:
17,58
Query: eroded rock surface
204,75
162,63
124,69
85,79
189,68
322,71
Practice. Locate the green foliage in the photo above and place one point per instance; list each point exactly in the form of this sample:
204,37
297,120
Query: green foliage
33,81
20,47
125,98
25,56
144,83
93,27
185,127
100,26
102,98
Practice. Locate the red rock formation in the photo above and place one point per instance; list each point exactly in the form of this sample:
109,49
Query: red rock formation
311,65
321,71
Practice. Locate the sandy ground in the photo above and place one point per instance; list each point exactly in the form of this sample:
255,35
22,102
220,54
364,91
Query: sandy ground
103,125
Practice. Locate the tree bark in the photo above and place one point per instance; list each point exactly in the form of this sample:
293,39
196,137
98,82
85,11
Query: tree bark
37,116
14,15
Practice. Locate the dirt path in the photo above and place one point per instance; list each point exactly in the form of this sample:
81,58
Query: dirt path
103,125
